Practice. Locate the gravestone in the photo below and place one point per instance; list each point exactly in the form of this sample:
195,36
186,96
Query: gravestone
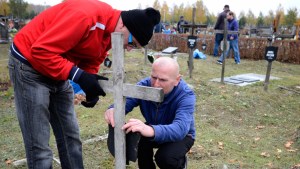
170,50
244,79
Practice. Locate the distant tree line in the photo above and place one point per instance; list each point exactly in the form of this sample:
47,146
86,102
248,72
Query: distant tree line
204,16
20,9
23,10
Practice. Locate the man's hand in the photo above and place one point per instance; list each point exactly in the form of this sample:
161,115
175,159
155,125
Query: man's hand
136,125
109,117
89,84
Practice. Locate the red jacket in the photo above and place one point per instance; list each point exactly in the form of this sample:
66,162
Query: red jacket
75,32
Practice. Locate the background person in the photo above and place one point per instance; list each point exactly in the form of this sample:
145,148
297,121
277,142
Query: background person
181,21
220,26
169,125
158,28
66,41
232,38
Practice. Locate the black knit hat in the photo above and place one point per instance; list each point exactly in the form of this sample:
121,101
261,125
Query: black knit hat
140,23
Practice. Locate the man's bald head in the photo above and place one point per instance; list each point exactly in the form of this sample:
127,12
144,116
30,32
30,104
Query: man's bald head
168,63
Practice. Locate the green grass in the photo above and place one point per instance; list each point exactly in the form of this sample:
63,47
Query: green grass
227,117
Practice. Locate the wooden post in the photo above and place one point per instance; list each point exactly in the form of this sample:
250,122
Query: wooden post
225,45
224,50
121,90
192,27
119,100
267,79
146,54
268,74
191,59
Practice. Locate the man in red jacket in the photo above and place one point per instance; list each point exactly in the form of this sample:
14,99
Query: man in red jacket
66,41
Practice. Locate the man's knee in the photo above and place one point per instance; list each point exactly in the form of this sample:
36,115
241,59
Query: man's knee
164,161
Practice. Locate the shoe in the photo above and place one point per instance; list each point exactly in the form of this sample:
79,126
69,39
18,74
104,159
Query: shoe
219,62
237,63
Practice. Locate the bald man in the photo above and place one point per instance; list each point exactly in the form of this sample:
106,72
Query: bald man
169,125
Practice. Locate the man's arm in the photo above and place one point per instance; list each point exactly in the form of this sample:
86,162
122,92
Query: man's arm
234,27
109,113
181,124
136,125
130,104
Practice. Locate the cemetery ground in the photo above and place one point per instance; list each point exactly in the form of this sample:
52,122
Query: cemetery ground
237,127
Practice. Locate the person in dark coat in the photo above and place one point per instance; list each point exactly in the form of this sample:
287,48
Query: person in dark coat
220,26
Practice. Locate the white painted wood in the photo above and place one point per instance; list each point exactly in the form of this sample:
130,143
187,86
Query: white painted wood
119,100
120,91
135,91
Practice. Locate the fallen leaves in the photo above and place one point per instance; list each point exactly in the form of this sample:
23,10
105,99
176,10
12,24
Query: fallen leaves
279,151
220,145
270,164
259,127
8,161
297,166
288,144
277,154
256,138
265,154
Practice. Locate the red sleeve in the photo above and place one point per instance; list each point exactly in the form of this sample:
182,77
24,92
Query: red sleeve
64,32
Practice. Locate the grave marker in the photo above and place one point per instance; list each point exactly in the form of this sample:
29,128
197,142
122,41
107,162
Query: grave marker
121,90
191,38
271,52
225,45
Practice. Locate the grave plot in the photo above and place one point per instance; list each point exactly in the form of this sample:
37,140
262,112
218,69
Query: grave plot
244,79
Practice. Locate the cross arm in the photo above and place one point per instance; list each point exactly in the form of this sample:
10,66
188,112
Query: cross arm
229,32
194,26
135,91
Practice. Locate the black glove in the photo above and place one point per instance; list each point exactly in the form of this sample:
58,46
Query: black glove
89,84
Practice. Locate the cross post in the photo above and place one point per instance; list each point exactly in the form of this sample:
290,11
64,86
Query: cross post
225,47
121,90
194,39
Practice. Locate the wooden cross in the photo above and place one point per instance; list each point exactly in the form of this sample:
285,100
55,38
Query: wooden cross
225,47
121,90
193,26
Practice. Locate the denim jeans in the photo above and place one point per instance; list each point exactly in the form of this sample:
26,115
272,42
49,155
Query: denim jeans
41,102
219,37
234,45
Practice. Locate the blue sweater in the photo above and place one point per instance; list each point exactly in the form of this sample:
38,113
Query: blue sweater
172,119
232,26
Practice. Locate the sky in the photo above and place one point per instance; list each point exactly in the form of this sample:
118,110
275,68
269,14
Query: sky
214,6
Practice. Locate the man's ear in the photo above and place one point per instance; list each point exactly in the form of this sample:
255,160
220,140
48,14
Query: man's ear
177,79
120,25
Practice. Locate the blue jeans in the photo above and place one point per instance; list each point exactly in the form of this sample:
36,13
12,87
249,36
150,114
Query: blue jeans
234,45
218,38
41,102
